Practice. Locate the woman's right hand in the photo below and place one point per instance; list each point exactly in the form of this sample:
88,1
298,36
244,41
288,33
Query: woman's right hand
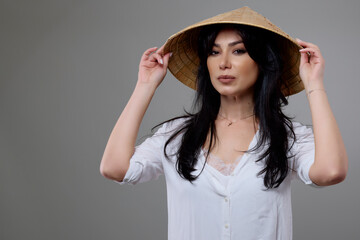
116,160
153,66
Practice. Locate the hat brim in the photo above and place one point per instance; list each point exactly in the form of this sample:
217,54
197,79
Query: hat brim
184,62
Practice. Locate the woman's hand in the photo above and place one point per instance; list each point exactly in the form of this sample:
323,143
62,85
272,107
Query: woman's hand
331,162
153,66
116,160
311,67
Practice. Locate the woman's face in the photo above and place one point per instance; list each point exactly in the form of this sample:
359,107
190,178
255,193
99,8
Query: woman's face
232,71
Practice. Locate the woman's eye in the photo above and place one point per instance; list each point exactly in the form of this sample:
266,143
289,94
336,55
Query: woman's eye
213,52
240,51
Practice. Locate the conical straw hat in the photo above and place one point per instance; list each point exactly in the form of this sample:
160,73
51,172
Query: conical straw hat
184,62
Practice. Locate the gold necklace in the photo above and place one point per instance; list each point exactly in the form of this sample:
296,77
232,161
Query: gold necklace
231,122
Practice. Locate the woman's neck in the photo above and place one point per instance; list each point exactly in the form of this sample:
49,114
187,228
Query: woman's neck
234,108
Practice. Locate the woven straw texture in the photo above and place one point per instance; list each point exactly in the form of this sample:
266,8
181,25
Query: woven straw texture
184,62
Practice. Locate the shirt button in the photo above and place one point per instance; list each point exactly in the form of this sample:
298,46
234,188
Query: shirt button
226,199
226,226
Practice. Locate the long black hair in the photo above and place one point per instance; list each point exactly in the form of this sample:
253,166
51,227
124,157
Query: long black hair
275,126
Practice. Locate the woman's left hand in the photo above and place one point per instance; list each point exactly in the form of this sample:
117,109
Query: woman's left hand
311,67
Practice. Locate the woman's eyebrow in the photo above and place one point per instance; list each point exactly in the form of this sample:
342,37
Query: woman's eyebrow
230,44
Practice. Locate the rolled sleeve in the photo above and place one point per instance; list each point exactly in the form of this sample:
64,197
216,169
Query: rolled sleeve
304,152
146,162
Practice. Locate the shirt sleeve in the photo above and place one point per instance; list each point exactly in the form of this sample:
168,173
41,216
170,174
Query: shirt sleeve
304,152
146,162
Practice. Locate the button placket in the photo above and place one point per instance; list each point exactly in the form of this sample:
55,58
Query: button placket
226,202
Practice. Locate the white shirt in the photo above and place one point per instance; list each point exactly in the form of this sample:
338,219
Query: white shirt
222,207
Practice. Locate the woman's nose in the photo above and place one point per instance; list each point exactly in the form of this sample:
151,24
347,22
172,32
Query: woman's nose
224,62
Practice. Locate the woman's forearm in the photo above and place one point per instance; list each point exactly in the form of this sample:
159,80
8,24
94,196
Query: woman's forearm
331,162
121,144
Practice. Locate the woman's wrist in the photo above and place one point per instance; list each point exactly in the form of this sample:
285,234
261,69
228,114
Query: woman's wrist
314,90
145,88
315,86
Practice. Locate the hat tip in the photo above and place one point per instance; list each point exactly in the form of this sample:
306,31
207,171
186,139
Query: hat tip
246,7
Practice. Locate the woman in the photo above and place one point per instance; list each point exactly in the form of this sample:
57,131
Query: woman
229,165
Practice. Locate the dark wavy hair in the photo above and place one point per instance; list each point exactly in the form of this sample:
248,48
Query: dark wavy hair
275,126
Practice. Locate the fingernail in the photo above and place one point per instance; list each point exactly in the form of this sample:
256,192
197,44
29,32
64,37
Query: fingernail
161,61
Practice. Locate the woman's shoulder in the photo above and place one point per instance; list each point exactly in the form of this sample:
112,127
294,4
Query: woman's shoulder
302,131
172,125
301,127
177,122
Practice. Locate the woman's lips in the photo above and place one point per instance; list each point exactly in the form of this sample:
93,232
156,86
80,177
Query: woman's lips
226,78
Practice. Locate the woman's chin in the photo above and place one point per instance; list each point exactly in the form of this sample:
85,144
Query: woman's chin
232,93
228,91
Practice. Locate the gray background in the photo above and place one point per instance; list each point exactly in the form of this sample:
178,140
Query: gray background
67,69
